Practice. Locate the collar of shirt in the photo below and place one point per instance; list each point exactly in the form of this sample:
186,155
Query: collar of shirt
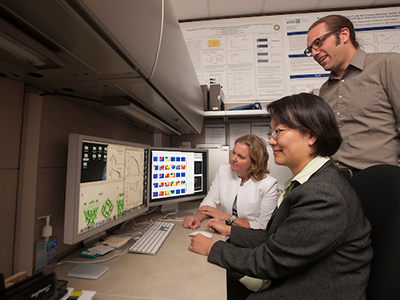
313,166
357,61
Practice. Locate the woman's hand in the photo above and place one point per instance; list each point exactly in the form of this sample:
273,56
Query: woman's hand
219,226
192,222
214,212
201,244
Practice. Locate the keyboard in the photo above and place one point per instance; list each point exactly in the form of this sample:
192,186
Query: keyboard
150,242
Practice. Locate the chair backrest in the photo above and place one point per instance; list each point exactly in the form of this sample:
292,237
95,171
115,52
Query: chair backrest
378,188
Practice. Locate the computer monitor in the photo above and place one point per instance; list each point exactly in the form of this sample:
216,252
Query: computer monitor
177,175
107,184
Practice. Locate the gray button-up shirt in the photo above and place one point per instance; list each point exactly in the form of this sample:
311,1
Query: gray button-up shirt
366,102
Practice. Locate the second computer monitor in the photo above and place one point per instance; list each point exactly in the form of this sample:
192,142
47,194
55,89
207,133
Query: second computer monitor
177,175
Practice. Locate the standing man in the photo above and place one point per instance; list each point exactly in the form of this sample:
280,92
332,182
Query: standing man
363,90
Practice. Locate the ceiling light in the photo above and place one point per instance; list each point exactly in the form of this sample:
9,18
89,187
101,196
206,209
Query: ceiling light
27,50
129,109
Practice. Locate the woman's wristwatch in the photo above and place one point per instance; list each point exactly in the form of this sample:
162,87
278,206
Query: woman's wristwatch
231,220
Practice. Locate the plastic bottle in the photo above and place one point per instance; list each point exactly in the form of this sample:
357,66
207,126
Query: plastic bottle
46,249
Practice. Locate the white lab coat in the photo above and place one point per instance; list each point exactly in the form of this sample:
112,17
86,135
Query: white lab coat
255,200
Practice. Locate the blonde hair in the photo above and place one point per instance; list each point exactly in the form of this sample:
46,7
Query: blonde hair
258,154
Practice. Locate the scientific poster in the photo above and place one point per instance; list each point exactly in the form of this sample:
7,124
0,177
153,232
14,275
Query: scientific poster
262,58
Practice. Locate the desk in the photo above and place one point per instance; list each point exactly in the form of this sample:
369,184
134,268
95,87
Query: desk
173,273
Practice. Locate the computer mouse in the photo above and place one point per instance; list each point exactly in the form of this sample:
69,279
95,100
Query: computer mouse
205,233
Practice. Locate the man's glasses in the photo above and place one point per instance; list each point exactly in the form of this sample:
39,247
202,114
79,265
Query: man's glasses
274,133
317,43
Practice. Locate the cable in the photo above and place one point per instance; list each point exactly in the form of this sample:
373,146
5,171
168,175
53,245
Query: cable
149,212
171,213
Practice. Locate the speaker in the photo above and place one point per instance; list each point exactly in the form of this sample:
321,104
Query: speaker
216,97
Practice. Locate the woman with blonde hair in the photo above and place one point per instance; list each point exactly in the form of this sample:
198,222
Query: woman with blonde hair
245,192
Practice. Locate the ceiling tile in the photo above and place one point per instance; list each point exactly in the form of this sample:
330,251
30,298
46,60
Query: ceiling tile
202,9
235,7
190,9
343,4
385,2
282,6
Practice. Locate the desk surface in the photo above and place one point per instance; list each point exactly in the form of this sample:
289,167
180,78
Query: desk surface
173,273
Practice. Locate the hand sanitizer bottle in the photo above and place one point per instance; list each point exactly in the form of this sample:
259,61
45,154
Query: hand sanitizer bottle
46,250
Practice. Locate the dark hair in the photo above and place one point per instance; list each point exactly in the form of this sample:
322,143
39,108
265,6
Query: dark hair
337,22
258,153
309,112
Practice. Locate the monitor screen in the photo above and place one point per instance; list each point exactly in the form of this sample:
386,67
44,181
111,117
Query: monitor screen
106,185
177,175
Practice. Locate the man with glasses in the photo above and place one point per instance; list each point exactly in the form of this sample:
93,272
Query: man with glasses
363,90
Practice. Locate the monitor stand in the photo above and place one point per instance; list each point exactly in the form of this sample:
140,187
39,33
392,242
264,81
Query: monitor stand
173,211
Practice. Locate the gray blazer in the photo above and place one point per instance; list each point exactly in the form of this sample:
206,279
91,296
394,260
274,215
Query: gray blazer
316,246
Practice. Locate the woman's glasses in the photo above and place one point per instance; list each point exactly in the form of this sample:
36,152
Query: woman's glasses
274,133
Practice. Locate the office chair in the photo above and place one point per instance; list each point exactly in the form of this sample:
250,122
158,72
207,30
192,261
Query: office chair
378,187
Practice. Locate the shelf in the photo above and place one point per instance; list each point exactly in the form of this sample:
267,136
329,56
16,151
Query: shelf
236,113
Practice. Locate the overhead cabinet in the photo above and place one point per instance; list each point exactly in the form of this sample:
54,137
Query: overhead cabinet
105,50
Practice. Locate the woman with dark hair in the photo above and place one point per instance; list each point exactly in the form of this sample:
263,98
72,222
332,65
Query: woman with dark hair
245,192
317,242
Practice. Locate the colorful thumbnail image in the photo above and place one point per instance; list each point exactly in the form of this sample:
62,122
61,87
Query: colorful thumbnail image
169,158
169,175
168,193
168,167
164,184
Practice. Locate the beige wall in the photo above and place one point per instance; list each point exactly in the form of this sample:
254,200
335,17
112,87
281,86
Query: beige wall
59,118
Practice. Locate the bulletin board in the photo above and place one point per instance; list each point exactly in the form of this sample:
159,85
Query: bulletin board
261,58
